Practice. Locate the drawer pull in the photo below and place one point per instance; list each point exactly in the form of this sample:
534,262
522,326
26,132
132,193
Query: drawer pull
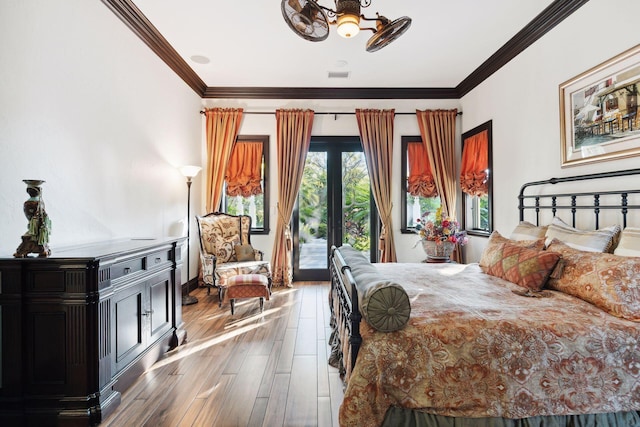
158,260
127,270
147,313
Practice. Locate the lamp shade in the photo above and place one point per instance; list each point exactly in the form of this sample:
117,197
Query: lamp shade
348,25
190,171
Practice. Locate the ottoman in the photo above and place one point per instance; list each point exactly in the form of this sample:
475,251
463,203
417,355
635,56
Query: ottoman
247,286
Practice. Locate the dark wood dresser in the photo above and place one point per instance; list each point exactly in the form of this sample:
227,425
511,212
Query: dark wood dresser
79,327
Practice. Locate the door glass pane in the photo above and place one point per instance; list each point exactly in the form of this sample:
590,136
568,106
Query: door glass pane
312,205
356,202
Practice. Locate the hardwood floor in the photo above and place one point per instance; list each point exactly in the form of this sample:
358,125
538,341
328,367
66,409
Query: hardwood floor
249,369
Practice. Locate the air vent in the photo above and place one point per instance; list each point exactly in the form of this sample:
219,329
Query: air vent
338,74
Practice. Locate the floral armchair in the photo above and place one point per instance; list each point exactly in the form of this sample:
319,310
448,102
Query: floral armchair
225,250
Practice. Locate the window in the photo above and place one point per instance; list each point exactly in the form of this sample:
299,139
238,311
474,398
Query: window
476,180
247,192
418,189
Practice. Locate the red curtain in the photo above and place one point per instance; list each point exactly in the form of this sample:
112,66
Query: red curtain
244,171
475,163
420,180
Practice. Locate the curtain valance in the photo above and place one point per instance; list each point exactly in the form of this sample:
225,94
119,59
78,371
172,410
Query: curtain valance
475,164
244,169
420,181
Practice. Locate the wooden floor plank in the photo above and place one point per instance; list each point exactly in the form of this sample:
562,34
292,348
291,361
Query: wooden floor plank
336,387
277,404
302,399
285,360
189,382
324,411
145,406
239,399
306,342
270,370
295,309
321,321
192,412
212,407
308,303
323,369
258,412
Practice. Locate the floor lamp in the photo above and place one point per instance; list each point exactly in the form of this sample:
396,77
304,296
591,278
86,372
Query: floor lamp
189,172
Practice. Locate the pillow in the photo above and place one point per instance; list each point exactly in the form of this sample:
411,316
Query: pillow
384,304
629,244
608,281
245,252
526,267
496,239
224,249
600,240
527,231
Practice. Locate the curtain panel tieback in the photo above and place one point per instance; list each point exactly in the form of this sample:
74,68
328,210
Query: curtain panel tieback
286,226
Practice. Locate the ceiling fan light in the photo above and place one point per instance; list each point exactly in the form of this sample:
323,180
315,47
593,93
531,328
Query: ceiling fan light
348,25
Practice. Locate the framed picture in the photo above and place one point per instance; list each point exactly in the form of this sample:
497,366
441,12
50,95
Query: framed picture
599,111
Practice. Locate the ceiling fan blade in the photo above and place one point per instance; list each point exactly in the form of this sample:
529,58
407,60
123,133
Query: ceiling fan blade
388,33
306,19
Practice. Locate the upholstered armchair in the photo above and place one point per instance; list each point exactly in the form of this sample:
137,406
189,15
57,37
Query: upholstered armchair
225,250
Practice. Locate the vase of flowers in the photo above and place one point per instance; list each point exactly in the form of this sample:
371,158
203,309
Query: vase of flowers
439,235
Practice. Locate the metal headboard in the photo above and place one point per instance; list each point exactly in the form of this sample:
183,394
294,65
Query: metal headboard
575,201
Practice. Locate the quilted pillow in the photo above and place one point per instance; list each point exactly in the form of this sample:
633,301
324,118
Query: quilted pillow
224,249
529,268
244,252
496,239
600,240
629,244
608,281
527,231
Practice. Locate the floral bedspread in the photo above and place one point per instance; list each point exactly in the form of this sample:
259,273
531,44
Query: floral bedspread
475,348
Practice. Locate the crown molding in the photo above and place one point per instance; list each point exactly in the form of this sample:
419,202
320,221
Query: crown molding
555,13
330,93
143,28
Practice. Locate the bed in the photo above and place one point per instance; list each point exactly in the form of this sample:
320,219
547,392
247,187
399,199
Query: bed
459,345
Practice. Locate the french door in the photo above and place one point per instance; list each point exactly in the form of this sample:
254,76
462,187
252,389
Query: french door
334,206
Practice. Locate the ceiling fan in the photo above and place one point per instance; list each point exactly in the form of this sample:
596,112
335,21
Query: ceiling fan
310,20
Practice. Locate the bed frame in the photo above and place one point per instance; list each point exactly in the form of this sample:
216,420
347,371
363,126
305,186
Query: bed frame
343,286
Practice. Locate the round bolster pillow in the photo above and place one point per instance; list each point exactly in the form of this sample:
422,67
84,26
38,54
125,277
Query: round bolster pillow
384,304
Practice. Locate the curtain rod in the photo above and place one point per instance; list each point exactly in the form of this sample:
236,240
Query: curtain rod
336,113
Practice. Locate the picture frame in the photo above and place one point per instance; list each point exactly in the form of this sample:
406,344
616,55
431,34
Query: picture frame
599,118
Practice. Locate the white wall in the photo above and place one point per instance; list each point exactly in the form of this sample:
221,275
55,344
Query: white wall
342,125
522,99
88,107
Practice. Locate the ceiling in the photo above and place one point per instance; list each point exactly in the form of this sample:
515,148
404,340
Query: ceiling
450,47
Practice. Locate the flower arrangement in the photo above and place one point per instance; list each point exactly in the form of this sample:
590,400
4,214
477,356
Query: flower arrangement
442,229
